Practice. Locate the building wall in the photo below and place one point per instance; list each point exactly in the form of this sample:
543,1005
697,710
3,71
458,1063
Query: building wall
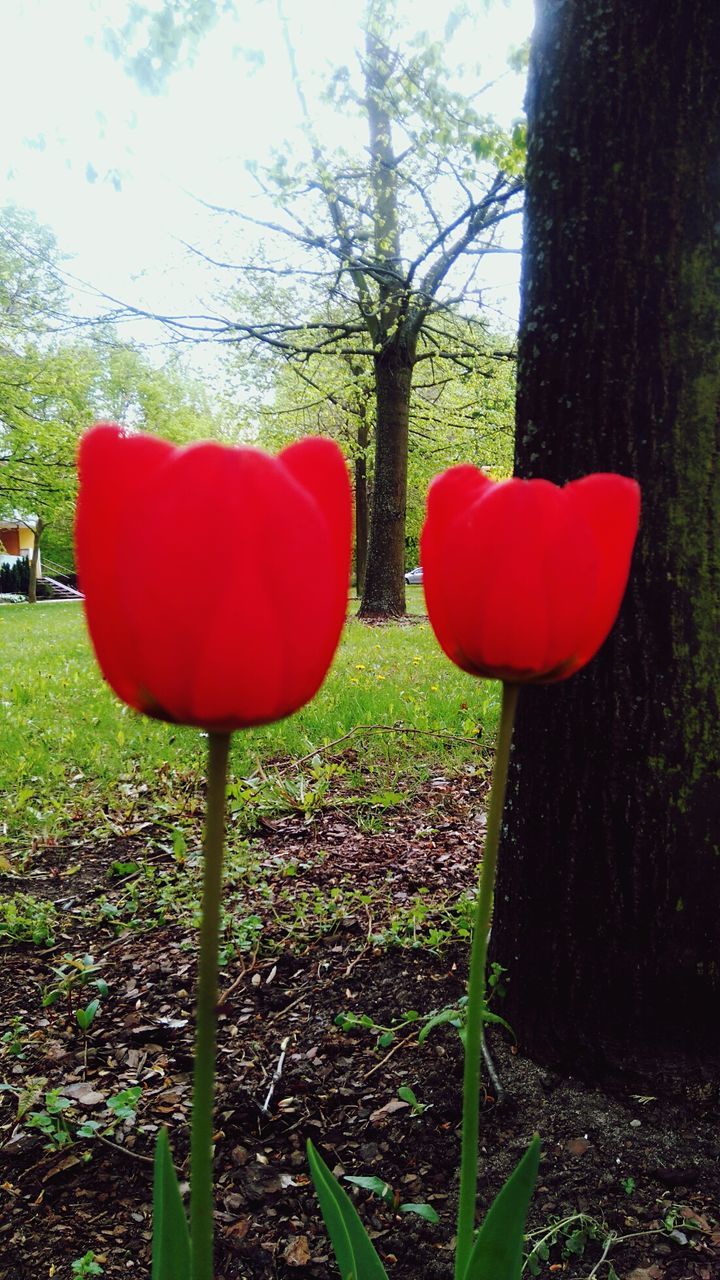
10,540
27,540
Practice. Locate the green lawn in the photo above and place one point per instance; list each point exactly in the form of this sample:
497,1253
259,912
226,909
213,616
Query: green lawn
72,754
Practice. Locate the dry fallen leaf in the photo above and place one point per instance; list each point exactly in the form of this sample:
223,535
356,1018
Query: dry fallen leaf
84,1094
577,1146
297,1253
382,1113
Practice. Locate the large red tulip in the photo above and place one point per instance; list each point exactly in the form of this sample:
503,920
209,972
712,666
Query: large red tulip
523,579
215,578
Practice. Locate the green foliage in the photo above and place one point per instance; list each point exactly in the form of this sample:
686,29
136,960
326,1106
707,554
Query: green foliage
52,388
356,1255
153,42
72,752
391,1198
498,1250
15,578
385,1035
59,1122
171,1237
72,973
51,1121
87,1265
563,1239
13,1040
462,407
406,1094
24,918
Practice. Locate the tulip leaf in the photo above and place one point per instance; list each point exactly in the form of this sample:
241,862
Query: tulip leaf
355,1253
171,1237
498,1250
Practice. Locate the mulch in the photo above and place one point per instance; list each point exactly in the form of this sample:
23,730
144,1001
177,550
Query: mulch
644,1167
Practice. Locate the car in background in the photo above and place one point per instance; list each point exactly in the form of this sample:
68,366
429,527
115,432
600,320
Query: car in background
414,576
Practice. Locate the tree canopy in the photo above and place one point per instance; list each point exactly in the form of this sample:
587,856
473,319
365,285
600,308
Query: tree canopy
56,378
371,250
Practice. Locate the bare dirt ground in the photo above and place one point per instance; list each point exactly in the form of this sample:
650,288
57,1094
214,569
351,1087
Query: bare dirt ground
635,1178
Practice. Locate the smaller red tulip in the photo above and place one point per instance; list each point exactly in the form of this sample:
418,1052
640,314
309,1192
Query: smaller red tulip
215,578
523,579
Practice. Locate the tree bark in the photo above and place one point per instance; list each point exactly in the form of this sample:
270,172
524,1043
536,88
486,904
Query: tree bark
361,504
607,912
385,576
384,591
32,583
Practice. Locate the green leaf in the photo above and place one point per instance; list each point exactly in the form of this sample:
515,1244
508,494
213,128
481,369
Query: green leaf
438,1019
408,1095
171,1238
88,1129
376,1185
85,1016
425,1211
355,1253
498,1251
119,869
489,1016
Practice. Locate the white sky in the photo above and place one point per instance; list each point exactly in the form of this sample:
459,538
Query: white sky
65,103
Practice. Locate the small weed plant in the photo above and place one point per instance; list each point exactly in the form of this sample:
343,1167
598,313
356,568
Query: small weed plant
88,1265
25,918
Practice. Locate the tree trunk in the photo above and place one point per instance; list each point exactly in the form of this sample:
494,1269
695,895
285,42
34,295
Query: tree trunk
384,591
385,577
32,583
607,913
361,505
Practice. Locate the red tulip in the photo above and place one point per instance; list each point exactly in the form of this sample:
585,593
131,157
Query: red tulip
523,580
215,578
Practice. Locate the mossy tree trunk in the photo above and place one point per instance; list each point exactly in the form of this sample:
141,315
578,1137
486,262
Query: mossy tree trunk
608,915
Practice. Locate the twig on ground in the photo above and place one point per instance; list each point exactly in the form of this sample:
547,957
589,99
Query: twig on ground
373,728
280,1013
394,1049
276,1074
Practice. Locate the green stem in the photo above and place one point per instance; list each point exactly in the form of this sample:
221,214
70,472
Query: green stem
474,1031
201,1147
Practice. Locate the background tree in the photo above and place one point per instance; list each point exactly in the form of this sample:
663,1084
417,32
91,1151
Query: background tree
54,385
607,907
461,409
385,233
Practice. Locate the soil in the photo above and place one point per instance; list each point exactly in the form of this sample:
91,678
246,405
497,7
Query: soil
644,1169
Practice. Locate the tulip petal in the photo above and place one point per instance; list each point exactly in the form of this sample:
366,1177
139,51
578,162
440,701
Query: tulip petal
286,560
216,577
523,579
319,468
448,497
609,507
504,614
202,528
114,468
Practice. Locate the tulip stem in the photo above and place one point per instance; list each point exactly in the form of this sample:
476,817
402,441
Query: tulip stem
474,1028
201,1136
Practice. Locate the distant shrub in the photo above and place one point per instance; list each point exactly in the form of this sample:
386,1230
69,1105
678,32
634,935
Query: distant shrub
15,578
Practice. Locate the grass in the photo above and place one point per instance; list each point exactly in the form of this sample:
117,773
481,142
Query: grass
71,753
